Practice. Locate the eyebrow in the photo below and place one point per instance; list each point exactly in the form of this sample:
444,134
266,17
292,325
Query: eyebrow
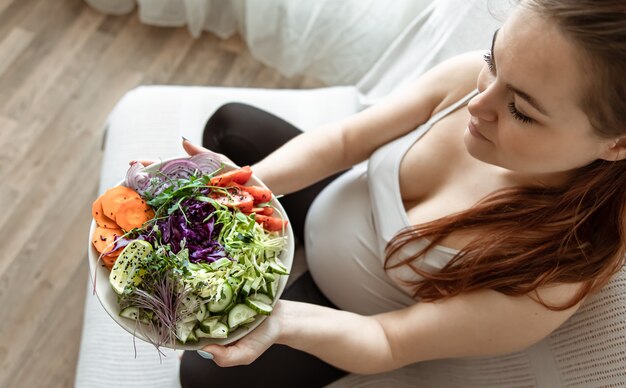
525,96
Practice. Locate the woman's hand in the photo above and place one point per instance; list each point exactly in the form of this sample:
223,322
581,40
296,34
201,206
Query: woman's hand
192,150
250,347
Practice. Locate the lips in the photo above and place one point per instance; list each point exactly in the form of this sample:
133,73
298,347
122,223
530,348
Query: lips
475,132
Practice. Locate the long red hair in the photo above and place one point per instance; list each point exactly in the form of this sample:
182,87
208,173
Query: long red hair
531,237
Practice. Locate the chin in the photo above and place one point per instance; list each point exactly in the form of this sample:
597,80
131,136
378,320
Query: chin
476,149
481,151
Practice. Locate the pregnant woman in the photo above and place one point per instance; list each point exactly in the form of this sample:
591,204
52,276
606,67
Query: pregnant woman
486,199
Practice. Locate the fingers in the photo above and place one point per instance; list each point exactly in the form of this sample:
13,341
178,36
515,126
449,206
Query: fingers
193,149
221,355
244,352
247,349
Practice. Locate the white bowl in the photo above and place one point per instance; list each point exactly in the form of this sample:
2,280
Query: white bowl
107,295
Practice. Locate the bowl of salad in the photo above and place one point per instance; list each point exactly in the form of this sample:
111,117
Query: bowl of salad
189,251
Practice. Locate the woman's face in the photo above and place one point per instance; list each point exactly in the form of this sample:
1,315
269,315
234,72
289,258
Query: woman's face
528,116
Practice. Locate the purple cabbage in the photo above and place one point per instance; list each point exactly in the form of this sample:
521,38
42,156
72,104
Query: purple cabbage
200,236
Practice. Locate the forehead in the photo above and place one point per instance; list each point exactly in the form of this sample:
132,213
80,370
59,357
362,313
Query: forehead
533,55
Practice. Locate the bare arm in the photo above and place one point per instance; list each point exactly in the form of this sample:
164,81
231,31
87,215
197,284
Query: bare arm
334,147
479,323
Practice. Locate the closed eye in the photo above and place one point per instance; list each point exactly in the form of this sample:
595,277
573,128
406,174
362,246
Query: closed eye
489,61
518,115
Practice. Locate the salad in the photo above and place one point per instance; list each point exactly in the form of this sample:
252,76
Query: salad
193,250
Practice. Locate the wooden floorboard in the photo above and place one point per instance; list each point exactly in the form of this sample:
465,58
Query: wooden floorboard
63,66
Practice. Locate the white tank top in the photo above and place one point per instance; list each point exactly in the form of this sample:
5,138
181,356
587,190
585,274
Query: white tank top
350,223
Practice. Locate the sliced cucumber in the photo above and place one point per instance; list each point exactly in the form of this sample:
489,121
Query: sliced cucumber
137,314
256,283
278,267
263,298
184,330
192,337
201,334
264,289
202,312
246,287
239,314
270,277
249,320
259,307
220,330
274,288
225,299
130,312
208,324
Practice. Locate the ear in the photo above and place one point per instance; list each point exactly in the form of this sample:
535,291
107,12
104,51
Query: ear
616,150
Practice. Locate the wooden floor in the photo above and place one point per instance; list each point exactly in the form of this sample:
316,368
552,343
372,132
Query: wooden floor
62,68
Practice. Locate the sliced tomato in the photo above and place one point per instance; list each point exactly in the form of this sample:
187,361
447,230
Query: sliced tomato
239,199
266,211
240,176
260,194
272,224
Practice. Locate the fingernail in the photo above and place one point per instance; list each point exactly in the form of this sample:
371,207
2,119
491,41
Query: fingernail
206,355
132,162
184,138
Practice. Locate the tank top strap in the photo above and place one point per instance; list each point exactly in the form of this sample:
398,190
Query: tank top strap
410,139
384,175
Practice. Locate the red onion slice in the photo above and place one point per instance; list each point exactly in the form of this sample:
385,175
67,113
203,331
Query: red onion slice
137,178
207,162
179,168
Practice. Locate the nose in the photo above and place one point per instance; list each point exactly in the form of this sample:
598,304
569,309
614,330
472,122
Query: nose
482,105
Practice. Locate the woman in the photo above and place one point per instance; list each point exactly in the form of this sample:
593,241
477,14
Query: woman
499,214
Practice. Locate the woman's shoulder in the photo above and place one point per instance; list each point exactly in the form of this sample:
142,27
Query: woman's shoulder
456,77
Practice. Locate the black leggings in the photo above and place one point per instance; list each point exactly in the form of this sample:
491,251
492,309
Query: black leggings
246,135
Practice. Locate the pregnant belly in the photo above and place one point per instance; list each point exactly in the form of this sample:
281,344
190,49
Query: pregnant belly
343,251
